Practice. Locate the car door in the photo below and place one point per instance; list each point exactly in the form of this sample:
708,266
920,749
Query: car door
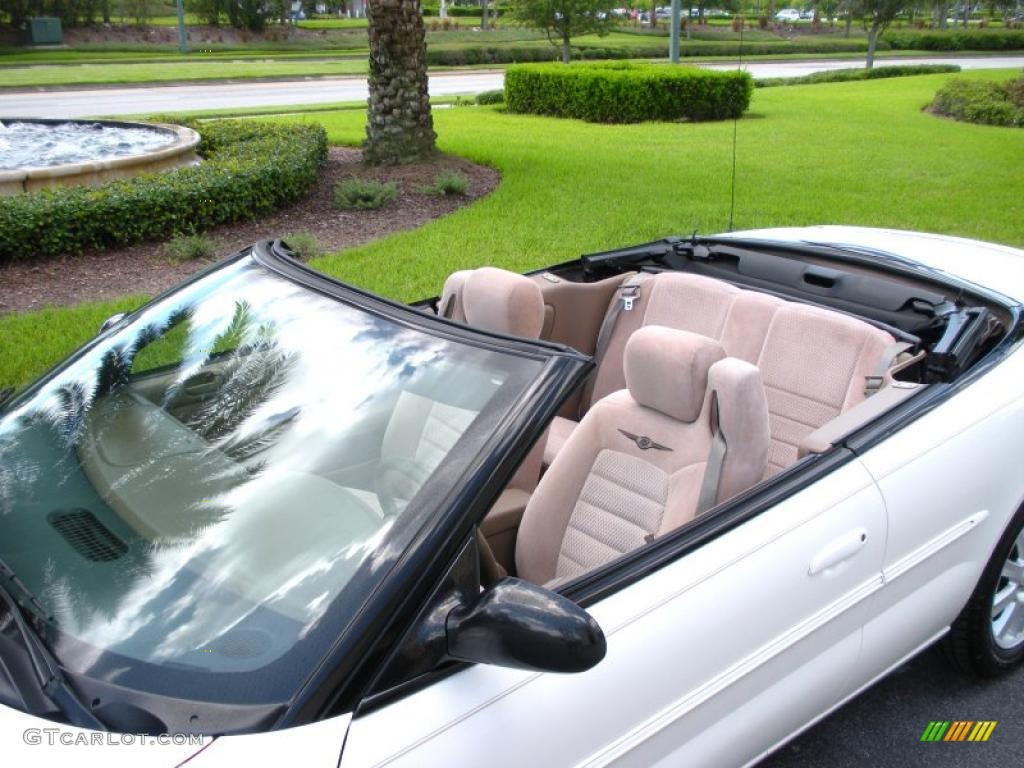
951,481
712,659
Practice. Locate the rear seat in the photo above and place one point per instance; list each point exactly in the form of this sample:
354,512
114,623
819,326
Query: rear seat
815,363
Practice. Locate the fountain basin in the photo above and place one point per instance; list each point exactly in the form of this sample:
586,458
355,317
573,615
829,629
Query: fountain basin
178,150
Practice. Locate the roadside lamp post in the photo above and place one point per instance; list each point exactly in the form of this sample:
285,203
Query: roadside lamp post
673,47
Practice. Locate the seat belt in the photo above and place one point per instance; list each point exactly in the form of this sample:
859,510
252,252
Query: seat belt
628,294
716,459
873,381
448,309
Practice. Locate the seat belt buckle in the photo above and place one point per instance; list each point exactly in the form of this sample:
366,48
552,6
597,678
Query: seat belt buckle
872,384
628,299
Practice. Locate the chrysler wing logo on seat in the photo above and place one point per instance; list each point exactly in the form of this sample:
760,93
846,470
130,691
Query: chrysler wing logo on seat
643,442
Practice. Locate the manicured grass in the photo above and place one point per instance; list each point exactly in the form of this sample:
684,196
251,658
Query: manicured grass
33,342
209,114
852,153
105,74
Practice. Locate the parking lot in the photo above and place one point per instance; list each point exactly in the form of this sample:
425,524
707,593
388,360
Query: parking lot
883,727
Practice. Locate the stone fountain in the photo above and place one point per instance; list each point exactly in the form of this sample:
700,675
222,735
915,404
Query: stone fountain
36,154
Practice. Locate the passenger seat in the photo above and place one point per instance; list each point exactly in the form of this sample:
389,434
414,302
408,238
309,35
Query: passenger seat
815,363
690,430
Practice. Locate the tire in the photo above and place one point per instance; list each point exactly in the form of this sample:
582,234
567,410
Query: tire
981,641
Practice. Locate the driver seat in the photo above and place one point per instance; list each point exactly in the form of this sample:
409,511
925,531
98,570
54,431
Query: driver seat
421,430
637,466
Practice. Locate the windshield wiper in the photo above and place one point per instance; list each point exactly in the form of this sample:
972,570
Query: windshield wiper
51,681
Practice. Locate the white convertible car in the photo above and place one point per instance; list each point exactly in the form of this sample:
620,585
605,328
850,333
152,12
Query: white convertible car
664,505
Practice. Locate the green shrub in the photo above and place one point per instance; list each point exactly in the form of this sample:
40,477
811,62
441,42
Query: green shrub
859,73
956,40
304,245
189,248
982,101
249,168
364,194
457,57
627,93
490,97
448,183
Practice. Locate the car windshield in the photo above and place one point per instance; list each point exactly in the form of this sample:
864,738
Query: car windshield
218,482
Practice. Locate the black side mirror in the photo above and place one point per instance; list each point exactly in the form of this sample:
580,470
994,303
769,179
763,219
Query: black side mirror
111,321
517,624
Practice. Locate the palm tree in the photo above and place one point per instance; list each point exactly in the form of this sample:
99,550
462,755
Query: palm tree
399,128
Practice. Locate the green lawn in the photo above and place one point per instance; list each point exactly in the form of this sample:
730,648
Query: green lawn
104,74
853,153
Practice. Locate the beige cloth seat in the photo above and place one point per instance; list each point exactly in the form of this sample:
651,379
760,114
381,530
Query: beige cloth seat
814,362
506,302
635,466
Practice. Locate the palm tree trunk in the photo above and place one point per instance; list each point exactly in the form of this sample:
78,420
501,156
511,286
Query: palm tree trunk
872,43
566,49
399,127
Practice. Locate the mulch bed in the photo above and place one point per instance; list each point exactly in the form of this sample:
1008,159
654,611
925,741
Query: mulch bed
144,269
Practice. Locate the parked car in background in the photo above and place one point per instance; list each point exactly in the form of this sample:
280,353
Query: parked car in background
788,15
666,504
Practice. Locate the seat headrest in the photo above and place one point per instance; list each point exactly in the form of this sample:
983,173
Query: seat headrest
494,299
667,369
450,303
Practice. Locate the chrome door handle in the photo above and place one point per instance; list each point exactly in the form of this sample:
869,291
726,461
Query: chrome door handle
837,551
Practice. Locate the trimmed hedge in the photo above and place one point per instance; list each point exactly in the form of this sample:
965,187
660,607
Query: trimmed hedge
249,168
982,101
963,40
846,75
627,93
458,57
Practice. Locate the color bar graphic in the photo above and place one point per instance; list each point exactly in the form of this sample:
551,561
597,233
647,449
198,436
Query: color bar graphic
958,730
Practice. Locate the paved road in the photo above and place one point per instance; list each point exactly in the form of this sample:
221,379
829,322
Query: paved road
883,726
173,98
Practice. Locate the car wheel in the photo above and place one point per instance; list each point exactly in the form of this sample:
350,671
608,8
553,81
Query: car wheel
987,638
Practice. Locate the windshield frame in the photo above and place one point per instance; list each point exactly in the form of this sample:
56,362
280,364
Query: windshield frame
469,490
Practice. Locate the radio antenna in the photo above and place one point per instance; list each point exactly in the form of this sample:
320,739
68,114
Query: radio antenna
735,123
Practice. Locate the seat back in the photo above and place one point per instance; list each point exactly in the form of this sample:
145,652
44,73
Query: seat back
506,302
635,466
814,361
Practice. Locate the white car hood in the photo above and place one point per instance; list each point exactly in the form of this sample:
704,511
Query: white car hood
30,740
999,268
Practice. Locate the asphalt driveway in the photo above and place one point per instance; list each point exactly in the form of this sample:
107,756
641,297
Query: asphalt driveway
882,728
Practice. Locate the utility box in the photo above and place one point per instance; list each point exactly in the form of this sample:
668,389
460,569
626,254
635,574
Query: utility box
45,30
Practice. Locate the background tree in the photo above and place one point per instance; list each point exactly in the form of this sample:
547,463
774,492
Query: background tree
399,126
879,14
562,20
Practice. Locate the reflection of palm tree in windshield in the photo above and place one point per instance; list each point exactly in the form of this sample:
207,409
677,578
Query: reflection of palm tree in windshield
256,373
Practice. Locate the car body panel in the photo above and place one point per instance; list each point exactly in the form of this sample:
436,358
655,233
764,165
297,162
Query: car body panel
30,740
944,479
669,682
316,745
998,268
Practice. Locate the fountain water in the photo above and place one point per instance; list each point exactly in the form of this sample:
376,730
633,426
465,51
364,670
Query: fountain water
36,154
